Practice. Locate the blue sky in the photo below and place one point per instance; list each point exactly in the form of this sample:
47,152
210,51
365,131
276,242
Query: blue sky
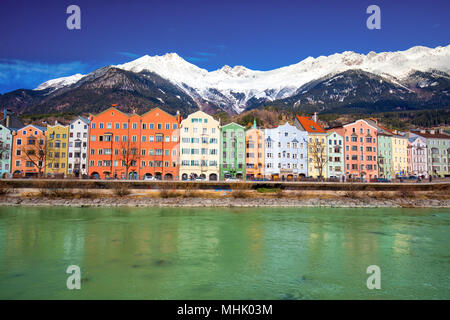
35,44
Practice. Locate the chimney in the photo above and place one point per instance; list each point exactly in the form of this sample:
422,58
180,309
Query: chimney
315,117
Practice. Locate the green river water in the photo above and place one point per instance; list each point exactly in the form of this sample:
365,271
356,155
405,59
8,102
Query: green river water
179,253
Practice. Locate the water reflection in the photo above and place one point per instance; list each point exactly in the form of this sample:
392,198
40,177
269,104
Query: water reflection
156,253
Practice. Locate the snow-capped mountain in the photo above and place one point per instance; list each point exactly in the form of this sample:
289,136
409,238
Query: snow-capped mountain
412,79
235,86
58,83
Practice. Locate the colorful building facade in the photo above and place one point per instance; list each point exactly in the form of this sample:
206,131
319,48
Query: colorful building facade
200,147
438,151
113,146
385,169
419,159
254,156
399,155
360,149
159,145
5,151
28,156
286,153
232,162
56,150
77,159
335,154
317,145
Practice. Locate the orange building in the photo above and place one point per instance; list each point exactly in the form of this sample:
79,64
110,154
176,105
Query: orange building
111,153
160,142
254,156
130,146
28,157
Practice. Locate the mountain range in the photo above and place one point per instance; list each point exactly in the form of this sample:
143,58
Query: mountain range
417,78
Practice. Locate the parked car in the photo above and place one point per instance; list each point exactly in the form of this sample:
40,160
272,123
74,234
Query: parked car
379,180
149,178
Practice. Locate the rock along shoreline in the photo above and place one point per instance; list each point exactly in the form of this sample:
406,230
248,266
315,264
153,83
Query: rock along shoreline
365,202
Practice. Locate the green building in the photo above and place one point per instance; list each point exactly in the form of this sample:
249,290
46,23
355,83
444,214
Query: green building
385,165
232,161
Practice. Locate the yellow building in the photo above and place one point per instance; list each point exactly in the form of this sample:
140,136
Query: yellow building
317,145
254,156
56,150
399,155
199,147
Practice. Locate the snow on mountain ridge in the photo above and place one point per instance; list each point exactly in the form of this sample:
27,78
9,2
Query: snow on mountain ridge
282,82
57,83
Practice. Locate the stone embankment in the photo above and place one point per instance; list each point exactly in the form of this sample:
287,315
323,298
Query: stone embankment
365,202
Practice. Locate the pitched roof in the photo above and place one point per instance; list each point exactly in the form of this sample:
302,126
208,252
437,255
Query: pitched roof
309,125
80,118
432,135
43,129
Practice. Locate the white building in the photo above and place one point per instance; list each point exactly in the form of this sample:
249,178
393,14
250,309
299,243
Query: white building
77,161
199,147
286,153
335,153
419,163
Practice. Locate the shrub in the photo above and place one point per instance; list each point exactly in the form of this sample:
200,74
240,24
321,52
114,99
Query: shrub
191,191
405,192
352,194
267,190
120,189
86,195
5,188
239,194
280,193
169,194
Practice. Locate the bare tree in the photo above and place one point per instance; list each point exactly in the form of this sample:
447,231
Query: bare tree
129,155
4,149
33,151
318,154
381,165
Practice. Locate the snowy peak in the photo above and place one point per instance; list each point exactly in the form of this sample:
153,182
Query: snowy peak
235,86
58,83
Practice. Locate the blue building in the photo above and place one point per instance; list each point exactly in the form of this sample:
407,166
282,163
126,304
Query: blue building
5,151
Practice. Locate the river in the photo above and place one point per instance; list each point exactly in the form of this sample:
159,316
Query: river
208,253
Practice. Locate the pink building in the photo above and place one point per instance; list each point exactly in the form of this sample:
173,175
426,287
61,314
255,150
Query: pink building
360,149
